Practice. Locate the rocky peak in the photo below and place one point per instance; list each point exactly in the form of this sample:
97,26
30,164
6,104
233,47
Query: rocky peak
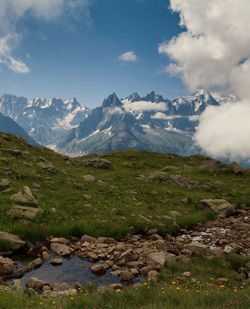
112,101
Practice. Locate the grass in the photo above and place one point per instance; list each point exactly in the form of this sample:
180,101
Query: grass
200,291
117,202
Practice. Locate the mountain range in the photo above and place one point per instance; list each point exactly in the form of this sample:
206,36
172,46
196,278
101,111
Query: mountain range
150,123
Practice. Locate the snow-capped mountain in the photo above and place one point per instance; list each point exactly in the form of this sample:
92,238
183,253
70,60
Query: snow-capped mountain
47,121
149,123
114,127
7,125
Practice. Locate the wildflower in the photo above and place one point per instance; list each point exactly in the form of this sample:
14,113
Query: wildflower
222,286
177,288
173,282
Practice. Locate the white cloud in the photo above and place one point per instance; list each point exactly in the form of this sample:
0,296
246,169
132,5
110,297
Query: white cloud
18,66
213,52
140,106
161,116
129,56
11,11
224,131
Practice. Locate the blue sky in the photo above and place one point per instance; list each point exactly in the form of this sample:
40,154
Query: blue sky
78,54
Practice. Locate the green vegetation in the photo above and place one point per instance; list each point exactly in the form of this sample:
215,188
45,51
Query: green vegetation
118,201
199,291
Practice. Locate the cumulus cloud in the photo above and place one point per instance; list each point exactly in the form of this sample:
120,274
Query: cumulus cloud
140,106
213,51
11,11
221,126
129,56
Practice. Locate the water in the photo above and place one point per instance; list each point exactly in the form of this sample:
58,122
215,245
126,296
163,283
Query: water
71,271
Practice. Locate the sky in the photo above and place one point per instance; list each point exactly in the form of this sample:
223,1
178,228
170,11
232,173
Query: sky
86,49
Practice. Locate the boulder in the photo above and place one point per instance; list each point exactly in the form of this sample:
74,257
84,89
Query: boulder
24,196
89,178
153,275
4,184
6,266
126,276
60,240
157,258
56,261
98,163
87,238
24,212
60,249
218,206
27,268
98,269
36,284
13,241
47,165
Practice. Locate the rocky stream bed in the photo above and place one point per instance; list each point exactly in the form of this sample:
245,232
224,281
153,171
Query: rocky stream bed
60,267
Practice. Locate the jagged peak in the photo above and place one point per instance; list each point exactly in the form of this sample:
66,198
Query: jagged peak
112,101
153,96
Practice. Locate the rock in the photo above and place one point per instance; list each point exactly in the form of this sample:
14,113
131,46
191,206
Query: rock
60,249
222,281
98,163
197,248
153,275
60,240
24,196
24,212
186,274
134,271
87,238
56,261
4,184
27,268
45,255
17,286
157,258
61,294
218,206
89,178
228,249
47,165
92,256
126,276
176,180
13,241
36,284
6,266
98,269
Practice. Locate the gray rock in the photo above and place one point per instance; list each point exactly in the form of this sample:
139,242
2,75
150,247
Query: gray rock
60,249
218,206
4,184
14,242
98,269
56,261
24,212
157,258
24,196
89,178
98,163
36,284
